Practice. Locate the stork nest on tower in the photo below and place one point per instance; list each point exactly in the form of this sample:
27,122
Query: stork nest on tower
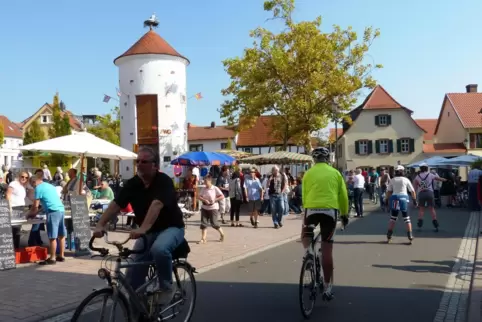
151,24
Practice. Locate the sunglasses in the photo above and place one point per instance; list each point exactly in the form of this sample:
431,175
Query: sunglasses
143,161
24,177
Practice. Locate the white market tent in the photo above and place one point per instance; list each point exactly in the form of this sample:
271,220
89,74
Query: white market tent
81,144
462,161
431,162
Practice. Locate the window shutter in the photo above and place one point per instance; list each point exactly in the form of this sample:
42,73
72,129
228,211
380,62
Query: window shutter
472,138
399,146
370,147
377,146
377,120
357,147
411,145
389,119
390,146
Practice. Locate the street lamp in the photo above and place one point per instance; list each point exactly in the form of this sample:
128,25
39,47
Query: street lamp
334,107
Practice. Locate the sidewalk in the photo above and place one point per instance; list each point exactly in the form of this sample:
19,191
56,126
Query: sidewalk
33,293
475,300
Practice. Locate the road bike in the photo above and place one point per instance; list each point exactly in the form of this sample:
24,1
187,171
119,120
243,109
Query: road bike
144,299
312,265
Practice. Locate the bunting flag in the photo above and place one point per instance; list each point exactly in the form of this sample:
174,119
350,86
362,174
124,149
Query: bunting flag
107,98
119,93
198,96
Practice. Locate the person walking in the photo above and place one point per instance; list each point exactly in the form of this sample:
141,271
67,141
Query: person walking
236,198
254,193
209,196
277,185
358,190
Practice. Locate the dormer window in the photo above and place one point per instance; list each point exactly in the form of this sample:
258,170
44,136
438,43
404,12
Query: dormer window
45,118
383,120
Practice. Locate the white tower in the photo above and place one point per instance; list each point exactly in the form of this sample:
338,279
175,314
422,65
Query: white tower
153,101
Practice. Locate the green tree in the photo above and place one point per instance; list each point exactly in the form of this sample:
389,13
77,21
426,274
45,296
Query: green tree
60,127
229,144
297,74
107,126
2,134
32,135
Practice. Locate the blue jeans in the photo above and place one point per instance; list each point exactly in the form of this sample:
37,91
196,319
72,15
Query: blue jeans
286,205
277,208
161,246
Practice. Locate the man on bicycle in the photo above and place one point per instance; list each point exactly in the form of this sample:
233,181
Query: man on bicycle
153,199
324,199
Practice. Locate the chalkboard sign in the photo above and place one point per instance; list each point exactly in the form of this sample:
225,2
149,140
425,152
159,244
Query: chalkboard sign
7,253
81,224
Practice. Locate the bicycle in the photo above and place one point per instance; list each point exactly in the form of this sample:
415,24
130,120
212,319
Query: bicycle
142,299
311,263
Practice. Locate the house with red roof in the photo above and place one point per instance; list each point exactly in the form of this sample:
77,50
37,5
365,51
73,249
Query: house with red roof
382,133
12,140
459,125
210,138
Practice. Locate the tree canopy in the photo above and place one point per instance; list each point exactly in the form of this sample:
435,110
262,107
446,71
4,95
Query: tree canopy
60,127
107,127
298,74
32,135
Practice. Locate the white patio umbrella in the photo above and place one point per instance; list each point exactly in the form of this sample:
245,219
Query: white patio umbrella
431,162
81,144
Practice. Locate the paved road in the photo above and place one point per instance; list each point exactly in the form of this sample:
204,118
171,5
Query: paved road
374,281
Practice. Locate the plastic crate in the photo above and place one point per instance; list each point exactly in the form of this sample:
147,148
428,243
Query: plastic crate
30,254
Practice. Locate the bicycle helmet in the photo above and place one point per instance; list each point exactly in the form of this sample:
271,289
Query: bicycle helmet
321,154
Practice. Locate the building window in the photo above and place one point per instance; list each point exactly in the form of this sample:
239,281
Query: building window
405,145
384,146
5,160
382,120
248,150
362,147
167,159
476,141
224,146
195,147
340,149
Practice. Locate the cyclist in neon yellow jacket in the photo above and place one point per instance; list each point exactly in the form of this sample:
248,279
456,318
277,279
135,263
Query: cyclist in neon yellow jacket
325,199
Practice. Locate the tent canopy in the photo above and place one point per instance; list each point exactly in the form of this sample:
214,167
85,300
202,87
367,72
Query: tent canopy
81,144
281,157
463,160
431,162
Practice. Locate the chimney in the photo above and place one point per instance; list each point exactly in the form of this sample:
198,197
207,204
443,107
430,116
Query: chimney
189,125
471,88
213,125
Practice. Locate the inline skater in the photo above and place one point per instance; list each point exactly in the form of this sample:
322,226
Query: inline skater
424,183
397,194
324,198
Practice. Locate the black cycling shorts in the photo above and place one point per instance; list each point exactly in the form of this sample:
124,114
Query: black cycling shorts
327,224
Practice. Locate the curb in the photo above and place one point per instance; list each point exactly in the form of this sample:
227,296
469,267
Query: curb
474,300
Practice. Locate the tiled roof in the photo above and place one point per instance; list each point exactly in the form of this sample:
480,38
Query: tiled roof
379,98
444,148
10,129
75,124
429,126
261,134
151,43
197,133
468,107
332,136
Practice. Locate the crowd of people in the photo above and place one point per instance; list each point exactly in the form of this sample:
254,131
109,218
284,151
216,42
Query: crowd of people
225,190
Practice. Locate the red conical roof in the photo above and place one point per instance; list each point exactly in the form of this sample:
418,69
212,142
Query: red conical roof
151,43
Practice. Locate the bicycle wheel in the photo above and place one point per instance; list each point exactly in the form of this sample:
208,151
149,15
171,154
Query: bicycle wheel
102,309
308,305
183,303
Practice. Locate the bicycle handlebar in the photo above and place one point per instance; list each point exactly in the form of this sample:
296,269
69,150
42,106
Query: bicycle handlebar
125,251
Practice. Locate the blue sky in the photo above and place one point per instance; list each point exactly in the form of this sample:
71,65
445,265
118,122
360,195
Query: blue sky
427,48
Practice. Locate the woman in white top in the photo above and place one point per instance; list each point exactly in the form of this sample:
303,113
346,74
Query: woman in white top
397,194
16,195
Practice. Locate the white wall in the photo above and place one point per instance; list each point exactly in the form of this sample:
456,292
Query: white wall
152,74
9,150
211,145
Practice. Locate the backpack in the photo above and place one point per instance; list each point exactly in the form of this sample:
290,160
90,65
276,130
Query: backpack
424,185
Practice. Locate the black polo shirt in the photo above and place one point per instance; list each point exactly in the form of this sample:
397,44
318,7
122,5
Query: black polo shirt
140,198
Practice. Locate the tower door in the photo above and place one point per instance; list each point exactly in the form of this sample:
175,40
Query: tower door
147,120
